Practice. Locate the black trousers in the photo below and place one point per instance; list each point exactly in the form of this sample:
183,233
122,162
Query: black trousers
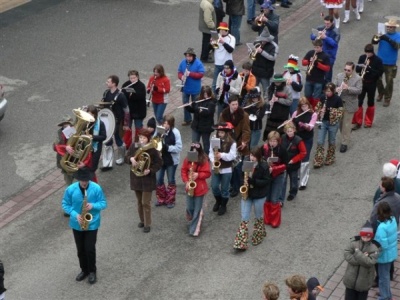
205,46
354,295
86,246
368,89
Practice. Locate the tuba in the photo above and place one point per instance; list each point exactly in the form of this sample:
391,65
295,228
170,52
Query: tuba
192,183
143,158
81,143
86,216
244,189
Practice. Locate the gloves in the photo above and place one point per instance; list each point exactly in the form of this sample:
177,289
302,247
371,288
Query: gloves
384,37
217,91
226,87
155,88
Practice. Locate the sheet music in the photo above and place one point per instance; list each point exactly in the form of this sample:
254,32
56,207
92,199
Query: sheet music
69,131
381,28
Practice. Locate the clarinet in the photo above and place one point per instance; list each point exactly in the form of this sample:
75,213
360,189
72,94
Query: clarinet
319,113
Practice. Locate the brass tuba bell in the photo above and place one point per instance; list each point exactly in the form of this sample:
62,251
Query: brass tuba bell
80,142
143,158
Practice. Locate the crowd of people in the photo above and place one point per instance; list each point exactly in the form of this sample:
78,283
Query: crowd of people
234,158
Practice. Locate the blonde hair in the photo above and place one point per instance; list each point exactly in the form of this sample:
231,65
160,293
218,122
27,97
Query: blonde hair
274,135
271,291
289,125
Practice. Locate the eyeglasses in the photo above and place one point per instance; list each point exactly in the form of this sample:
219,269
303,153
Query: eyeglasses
196,145
348,70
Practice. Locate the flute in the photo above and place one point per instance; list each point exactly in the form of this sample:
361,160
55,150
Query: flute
287,121
255,103
190,103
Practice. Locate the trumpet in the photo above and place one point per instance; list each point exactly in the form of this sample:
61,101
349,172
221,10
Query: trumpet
253,53
214,43
364,69
320,34
312,63
244,189
217,163
376,38
259,21
192,183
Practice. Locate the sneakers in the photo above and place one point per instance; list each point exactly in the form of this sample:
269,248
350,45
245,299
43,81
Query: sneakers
290,198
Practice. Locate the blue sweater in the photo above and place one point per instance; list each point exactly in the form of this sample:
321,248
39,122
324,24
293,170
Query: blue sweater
386,235
386,52
192,85
330,44
72,204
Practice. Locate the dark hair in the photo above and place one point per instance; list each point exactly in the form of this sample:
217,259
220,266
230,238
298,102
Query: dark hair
387,183
133,72
317,43
247,65
257,153
233,98
170,120
369,48
114,79
160,69
93,110
330,86
206,89
328,18
384,211
351,64
202,158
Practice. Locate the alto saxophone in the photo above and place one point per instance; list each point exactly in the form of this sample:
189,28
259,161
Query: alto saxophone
85,215
244,189
192,183
216,163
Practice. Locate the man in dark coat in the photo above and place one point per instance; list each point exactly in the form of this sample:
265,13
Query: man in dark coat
267,19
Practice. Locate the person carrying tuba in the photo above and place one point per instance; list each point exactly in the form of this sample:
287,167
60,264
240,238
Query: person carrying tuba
198,172
144,185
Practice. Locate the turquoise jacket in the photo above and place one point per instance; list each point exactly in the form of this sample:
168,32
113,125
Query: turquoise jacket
386,236
72,204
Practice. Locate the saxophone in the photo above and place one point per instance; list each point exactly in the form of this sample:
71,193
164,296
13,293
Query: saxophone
244,189
345,81
192,183
86,216
216,163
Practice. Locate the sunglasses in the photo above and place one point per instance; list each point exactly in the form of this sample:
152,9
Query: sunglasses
195,145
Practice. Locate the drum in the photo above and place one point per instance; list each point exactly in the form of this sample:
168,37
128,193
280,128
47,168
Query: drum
107,116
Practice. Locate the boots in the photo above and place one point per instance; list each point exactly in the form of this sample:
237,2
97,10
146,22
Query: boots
369,116
337,23
304,175
267,212
346,16
259,232
330,155
275,214
358,117
241,237
161,194
319,157
170,195
217,204
120,155
108,158
360,4
222,208
386,103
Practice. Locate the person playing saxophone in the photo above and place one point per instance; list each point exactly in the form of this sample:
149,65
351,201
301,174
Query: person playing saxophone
198,172
85,240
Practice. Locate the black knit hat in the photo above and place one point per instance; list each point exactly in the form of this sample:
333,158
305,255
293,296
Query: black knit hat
152,123
230,64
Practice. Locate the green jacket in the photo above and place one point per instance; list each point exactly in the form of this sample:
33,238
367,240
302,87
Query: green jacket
361,257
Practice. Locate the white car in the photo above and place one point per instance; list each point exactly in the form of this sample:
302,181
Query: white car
3,103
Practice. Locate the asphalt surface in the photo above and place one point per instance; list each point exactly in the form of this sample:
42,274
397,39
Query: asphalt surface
56,56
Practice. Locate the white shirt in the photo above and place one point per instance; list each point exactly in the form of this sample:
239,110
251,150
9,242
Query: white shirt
220,54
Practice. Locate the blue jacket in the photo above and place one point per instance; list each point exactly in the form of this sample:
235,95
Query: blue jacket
193,81
72,204
386,235
330,44
386,51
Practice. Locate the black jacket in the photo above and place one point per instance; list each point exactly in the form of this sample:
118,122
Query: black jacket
259,182
374,69
263,67
136,100
272,25
2,288
202,120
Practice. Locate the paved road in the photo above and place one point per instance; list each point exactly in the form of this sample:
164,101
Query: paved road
55,58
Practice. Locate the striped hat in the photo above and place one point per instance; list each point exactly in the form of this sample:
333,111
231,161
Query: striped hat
366,230
292,62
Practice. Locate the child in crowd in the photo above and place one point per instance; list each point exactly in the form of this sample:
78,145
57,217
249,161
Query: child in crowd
270,291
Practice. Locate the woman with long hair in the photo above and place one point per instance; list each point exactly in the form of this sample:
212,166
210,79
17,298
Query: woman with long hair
171,149
304,118
257,188
159,86
330,111
203,117
198,172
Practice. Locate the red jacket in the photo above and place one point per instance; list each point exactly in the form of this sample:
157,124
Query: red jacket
160,94
204,173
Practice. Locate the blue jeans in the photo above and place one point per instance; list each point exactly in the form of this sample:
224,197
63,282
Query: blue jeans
205,136
236,180
275,188
255,138
308,143
265,83
193,208
138,123
217,69
234,26
251,10
331,130
187,116
170,174
159,111
313,89
222,180
294,184
384,281
246,205
293,106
